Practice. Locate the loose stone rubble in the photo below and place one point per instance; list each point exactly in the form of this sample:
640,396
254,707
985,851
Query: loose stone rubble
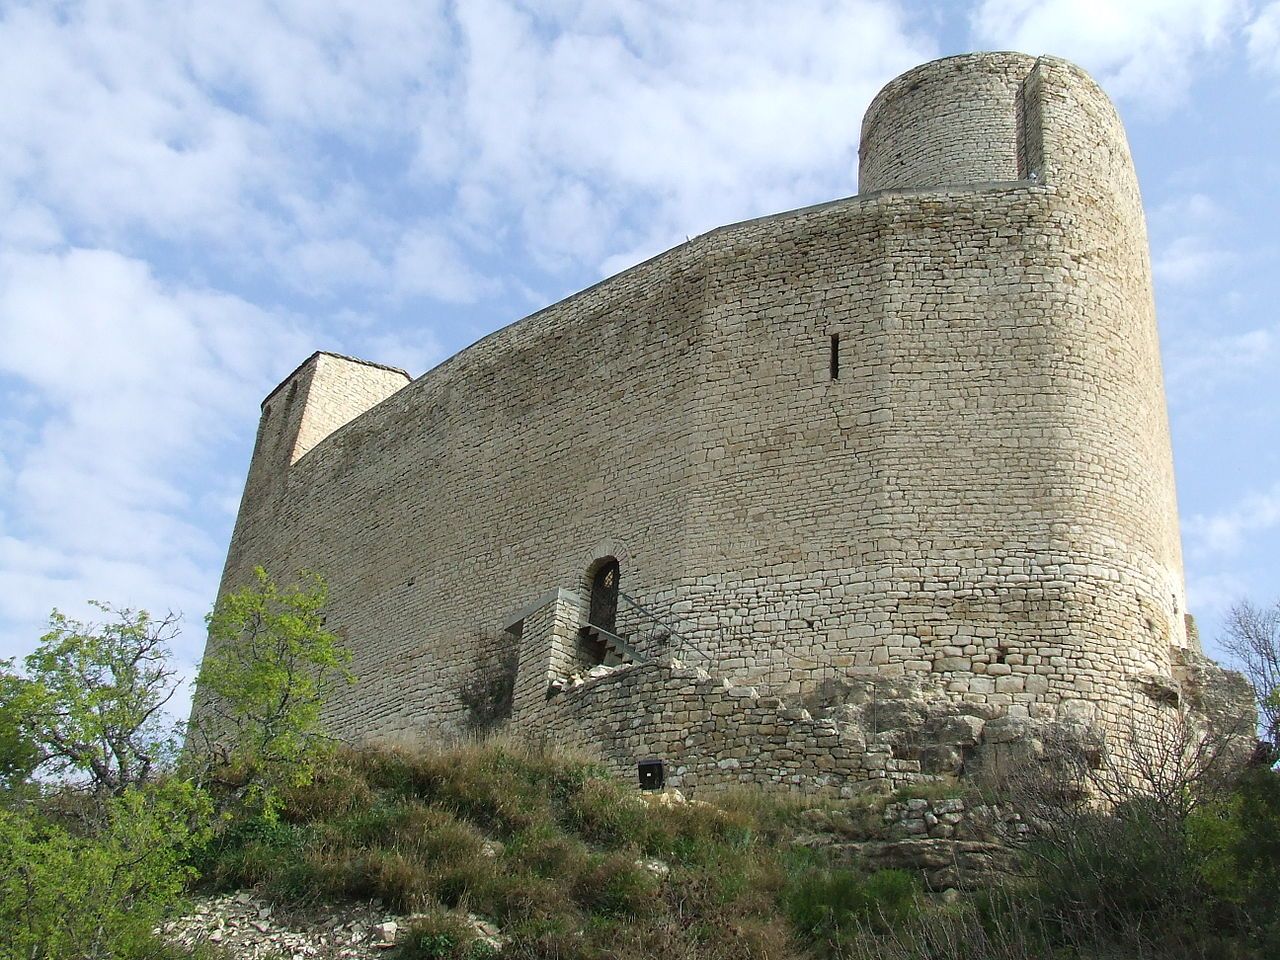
246,927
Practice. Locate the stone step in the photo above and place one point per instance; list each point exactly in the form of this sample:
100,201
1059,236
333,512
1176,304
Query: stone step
614,645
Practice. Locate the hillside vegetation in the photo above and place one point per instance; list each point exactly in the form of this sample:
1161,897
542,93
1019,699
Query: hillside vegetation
569,863
501,849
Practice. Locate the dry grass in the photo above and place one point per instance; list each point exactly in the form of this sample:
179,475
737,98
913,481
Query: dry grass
545,845
559,856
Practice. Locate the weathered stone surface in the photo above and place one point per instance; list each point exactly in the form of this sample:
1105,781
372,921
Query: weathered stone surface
944,863
958,730
891,459
1225,697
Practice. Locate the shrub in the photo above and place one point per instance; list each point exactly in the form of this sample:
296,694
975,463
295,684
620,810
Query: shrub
604,815
500,787
260,689
63,895
608,814
252,851
336,789
1119,868
613,885
548,852
488,691
1235,847
999,929
552,936
824,904
442,936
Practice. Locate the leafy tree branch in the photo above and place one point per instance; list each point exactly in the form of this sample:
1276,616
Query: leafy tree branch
271,665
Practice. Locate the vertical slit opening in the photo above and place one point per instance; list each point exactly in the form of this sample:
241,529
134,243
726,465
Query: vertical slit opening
835,356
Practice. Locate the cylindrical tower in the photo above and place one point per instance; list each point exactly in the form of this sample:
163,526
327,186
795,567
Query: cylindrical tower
1088,428
952,121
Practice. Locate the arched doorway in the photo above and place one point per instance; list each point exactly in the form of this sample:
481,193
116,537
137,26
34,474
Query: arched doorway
604,595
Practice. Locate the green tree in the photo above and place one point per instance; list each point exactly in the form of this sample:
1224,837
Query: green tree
90,874
19,754
260,690
73,894
90,701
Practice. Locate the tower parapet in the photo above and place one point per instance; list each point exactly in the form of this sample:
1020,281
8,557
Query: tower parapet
948,122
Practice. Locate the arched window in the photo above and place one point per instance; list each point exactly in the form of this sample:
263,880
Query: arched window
604,595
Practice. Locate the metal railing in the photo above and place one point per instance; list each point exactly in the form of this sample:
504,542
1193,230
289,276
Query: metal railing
657,637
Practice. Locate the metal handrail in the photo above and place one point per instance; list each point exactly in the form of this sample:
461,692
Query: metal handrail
684,644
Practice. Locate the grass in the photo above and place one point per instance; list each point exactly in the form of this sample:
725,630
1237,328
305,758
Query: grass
564,859
568,863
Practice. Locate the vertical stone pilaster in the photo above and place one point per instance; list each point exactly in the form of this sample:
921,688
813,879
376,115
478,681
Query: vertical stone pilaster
548,635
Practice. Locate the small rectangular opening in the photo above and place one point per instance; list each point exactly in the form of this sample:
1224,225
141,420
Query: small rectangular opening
835,356
652,774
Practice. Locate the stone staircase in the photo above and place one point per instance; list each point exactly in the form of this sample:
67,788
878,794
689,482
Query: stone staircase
890,732
618,651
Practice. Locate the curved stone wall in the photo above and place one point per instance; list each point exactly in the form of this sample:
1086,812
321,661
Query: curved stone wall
951,121
978,495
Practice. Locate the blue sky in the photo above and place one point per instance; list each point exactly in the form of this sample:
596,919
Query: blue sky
194,196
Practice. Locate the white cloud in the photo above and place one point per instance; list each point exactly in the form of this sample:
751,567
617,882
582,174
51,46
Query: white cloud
682,116
1225,533
1199,365
429,264
101,120
1142,50
1189,209
339,64
237,126
1264,39
1188,260
28,225
136,392
591,129
334,264
1184,230
1213,594
415,355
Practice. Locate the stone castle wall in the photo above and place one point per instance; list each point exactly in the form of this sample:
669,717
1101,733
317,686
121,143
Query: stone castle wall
977,492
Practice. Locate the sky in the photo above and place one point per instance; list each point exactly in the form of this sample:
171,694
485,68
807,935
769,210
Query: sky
195,196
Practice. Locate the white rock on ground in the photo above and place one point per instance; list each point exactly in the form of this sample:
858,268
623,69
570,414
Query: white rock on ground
248,928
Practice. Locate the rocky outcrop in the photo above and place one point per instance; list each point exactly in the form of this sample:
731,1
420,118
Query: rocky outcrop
1223,697
951,842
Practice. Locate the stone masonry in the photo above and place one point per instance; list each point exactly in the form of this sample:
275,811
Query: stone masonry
912,440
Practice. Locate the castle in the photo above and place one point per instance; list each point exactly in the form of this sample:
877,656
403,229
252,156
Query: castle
857,493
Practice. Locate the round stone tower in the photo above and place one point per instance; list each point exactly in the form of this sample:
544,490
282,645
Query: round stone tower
950,121
1095,435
